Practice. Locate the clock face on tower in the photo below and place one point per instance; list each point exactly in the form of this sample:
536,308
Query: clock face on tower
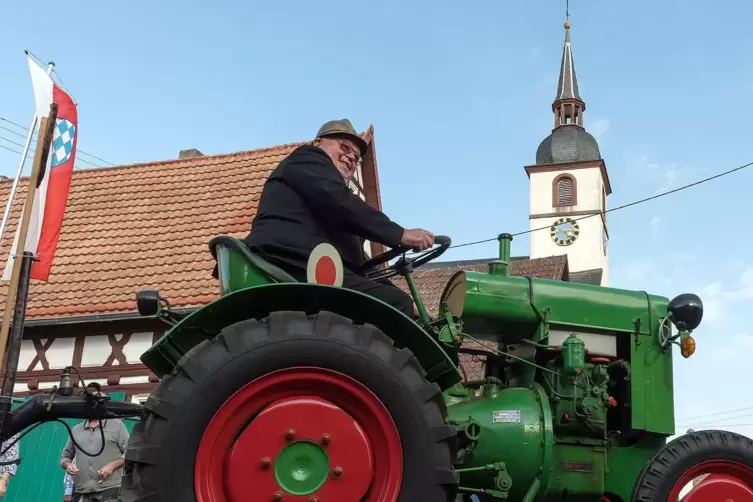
564,231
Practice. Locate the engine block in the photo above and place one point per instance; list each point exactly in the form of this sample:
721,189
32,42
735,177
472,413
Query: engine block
549,437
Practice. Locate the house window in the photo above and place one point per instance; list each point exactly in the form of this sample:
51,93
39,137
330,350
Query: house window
139,398
356,186
564,191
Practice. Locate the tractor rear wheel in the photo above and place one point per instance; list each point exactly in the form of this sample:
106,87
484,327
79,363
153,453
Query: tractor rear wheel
294,408
725,457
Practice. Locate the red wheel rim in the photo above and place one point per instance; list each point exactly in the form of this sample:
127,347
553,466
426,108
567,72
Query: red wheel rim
242,447
726,479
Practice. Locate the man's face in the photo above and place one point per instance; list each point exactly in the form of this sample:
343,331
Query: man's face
344,154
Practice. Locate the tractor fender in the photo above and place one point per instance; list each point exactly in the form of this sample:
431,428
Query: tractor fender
258,302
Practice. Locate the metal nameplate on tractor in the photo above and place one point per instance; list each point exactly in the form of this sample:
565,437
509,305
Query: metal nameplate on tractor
506,417
577,466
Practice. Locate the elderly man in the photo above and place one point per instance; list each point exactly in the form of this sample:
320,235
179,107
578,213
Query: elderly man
96,479
306,202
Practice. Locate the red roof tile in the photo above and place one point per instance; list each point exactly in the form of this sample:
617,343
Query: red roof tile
144,226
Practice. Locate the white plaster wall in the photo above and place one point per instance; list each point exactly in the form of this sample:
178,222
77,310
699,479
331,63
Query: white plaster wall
27,355
96,351
589,182
137,345
59,354
587,252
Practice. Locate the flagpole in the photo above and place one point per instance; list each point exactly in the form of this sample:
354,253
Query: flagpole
24,154
18,283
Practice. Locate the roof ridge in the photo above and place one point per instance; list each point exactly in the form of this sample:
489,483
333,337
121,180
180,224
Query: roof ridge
227,155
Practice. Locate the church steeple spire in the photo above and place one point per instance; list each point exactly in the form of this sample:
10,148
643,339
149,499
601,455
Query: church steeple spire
568,107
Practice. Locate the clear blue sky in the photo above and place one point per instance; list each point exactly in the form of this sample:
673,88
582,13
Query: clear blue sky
459,94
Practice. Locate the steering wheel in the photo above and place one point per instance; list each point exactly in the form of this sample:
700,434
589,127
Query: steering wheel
404,263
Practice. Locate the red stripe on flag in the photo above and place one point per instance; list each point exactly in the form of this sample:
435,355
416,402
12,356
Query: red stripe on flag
57,193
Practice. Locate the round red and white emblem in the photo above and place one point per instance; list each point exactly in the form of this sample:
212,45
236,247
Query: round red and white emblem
325,266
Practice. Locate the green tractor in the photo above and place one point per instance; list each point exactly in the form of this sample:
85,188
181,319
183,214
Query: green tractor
281,390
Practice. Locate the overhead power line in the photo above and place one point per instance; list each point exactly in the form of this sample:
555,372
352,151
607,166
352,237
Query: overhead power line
10,149
716,414
718,427
715,421
24,128
32,150
634,203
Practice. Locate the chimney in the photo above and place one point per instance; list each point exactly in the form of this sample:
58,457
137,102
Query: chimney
189,154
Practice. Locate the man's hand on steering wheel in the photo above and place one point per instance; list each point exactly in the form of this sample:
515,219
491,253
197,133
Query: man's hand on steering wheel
417,239
370,271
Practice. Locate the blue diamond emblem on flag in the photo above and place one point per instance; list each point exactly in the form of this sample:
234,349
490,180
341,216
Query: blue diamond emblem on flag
62,142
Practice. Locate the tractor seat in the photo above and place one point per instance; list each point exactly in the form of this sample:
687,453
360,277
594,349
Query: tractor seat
273,271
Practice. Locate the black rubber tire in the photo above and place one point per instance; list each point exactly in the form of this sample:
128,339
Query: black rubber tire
160,456
667,466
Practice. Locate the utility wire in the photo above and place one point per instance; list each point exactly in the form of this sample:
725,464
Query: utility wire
37,134
10,149
634,203
716,420
688,419
718,426
31,150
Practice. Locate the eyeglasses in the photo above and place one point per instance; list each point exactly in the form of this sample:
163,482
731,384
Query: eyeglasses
345,146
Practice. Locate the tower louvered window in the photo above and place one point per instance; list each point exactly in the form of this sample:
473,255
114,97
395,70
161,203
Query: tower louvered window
565,192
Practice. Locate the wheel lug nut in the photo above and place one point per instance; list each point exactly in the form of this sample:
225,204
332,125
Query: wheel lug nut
277,496
266,462
337,472
326,439
289,434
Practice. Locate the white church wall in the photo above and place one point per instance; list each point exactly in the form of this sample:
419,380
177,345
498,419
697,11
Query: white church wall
589,187
588,251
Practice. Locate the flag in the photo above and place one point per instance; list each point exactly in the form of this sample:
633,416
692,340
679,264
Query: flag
52,193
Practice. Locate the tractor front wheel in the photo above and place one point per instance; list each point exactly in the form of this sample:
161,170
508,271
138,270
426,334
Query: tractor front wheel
294,408
701,466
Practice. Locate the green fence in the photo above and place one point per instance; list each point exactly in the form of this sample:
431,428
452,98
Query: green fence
39,477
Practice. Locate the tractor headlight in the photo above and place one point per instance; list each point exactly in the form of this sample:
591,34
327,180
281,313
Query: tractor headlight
454,294
686,311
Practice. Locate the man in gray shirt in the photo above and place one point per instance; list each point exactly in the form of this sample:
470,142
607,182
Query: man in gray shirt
97,479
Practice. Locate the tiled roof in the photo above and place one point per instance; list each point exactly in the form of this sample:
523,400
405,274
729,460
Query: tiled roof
147,225
592,276
431,281
144,226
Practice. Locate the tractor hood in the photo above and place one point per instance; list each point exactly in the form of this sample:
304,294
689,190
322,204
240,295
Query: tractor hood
494,305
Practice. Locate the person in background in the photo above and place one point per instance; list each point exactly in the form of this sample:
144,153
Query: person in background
68,484
96,479
8,454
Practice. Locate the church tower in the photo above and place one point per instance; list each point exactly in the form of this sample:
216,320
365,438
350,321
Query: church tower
569,182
